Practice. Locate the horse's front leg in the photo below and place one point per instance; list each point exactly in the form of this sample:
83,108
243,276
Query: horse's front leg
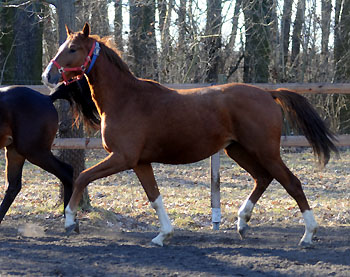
145,174
112,164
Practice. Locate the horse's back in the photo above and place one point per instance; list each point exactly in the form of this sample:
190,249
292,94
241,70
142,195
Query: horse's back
31,116
24,96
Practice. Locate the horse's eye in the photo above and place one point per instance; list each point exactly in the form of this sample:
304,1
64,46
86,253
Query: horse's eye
72,50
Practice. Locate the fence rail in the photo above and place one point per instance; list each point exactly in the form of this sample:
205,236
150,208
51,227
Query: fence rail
307,88
96,143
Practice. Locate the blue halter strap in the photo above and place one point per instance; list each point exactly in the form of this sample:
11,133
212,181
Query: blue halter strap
94,56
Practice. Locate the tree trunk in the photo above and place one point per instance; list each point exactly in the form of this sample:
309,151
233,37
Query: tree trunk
99,18
142,39
118,24
181,42
277,72
296,38
342,60
21,61
213,40
257,17
285,30
165,8
28,35
76,158
228,55
325,28
7,44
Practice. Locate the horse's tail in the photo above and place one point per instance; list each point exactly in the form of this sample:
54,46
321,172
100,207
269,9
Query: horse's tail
305,118
79,97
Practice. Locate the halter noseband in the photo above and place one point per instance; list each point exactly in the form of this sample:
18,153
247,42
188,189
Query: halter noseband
90,58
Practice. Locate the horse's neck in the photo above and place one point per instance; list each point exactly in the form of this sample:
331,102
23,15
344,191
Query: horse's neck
110,86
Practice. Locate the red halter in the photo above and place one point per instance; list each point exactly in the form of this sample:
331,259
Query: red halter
81,68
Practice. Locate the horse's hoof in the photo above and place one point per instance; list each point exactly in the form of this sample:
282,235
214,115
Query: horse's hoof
306,245
74,227
156,243
161,238
243,232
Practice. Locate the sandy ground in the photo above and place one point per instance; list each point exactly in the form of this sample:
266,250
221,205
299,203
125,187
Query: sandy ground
42,249
115,237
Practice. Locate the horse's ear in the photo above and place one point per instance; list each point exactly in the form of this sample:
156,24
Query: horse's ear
69,32
86,29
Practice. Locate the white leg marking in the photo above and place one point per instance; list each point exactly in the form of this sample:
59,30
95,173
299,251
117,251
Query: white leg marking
244,214
166,229
310,227
70,217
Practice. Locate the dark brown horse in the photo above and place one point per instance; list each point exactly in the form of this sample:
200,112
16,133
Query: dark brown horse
28,126
144,122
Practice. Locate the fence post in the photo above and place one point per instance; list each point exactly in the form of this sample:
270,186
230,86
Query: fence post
215,179
215,190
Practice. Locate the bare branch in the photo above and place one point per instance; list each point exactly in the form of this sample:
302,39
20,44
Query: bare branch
5,61
234,68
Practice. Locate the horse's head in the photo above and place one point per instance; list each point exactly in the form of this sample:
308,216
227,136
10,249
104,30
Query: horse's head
72,58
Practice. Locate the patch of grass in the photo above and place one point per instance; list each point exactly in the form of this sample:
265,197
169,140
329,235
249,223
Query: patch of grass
119,200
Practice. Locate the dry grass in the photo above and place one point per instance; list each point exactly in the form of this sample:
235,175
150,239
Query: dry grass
119,200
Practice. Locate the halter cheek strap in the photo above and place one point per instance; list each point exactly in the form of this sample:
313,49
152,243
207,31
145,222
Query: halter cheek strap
90,58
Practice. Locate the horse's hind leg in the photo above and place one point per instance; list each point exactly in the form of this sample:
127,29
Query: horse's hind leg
14,166
261,177
292,185
64,172
145,174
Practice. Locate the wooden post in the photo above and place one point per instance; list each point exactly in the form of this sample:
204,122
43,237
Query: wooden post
215,190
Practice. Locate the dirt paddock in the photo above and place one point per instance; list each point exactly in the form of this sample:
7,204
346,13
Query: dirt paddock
40,249
115,235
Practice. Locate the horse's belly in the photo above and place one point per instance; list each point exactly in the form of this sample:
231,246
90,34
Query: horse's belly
181,152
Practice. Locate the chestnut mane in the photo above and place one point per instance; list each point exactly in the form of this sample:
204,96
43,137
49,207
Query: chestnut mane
109,49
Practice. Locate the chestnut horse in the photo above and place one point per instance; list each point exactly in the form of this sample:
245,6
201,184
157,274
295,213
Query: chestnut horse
28,126
144,122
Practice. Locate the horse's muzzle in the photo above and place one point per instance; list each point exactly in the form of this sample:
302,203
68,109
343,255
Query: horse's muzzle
50,79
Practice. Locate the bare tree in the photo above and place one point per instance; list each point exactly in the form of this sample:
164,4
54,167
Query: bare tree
342,59
285,30
229,54
213,39
296,38
165,8
66,16
7,43
118,24
325,28
257,17
142,39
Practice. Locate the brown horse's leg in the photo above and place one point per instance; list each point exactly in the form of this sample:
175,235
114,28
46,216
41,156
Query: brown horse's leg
14,166
113,163
291,183
261,177
145,174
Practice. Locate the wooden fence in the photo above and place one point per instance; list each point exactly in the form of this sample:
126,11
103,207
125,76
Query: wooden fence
287,141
